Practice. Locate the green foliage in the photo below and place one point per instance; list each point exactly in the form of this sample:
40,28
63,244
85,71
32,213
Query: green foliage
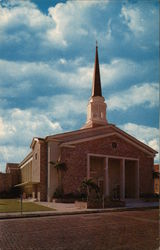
89,183
60,166
155,174
13,192
89,188
58,193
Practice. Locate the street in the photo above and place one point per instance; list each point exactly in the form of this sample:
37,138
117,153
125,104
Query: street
114,230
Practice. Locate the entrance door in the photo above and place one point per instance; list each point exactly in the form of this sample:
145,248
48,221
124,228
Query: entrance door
130,179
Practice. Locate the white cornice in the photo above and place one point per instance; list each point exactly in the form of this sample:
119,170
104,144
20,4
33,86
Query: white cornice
86,139
107,135
77,132
23,165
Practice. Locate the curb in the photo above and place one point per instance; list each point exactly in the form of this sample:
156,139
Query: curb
93,211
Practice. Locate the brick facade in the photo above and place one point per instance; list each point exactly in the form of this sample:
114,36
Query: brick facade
156,177
43,171
76,160
74,148
5,182
10,178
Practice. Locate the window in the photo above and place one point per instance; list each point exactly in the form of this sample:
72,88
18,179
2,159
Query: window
36,156
114,145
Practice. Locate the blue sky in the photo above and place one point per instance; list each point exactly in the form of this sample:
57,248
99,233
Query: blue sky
47,51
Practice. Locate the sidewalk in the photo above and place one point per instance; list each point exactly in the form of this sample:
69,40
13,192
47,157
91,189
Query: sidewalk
70,209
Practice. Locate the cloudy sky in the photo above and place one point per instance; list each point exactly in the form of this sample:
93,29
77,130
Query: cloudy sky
47,51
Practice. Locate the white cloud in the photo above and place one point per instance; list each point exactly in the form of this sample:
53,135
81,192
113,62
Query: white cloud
17,124
72,20
63,106
23,23
146,93
53,39
147,135
23,14
117,70
29,78
109,30
127,70
141,20
133,18
12,153
154,144
64,23
22,78
18,127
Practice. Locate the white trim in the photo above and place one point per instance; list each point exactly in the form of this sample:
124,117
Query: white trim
135,144
86,139
26,162
77,132
123,133
122,172
107,135
26,183
112,156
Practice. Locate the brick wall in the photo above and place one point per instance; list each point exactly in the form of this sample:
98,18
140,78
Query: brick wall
43,171
15,176
76,160
5,182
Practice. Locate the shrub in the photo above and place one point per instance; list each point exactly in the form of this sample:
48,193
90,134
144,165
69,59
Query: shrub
58,193
13,192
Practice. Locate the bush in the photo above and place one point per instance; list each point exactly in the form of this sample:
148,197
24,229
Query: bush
14,192
58,193
150,197
69,197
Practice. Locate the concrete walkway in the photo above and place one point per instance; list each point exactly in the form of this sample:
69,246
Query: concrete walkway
71,209
130,203
61,207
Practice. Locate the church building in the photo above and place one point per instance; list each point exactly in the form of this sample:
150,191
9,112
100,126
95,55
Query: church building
99,150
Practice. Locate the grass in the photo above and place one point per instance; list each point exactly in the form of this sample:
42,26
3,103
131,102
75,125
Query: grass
14,205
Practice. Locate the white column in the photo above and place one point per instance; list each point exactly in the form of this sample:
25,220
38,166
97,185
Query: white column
88,166
106,179
137,179
33,195
122,179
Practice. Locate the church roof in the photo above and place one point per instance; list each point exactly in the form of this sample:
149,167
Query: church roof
96,85
74,137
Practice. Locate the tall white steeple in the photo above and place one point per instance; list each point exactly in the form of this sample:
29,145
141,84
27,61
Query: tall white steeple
96,111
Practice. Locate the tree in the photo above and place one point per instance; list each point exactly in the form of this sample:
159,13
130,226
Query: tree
88,185
60,167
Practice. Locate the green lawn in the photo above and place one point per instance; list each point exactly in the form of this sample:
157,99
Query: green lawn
14,205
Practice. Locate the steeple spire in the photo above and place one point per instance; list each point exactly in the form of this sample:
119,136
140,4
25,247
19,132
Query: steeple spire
96,110
96,85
